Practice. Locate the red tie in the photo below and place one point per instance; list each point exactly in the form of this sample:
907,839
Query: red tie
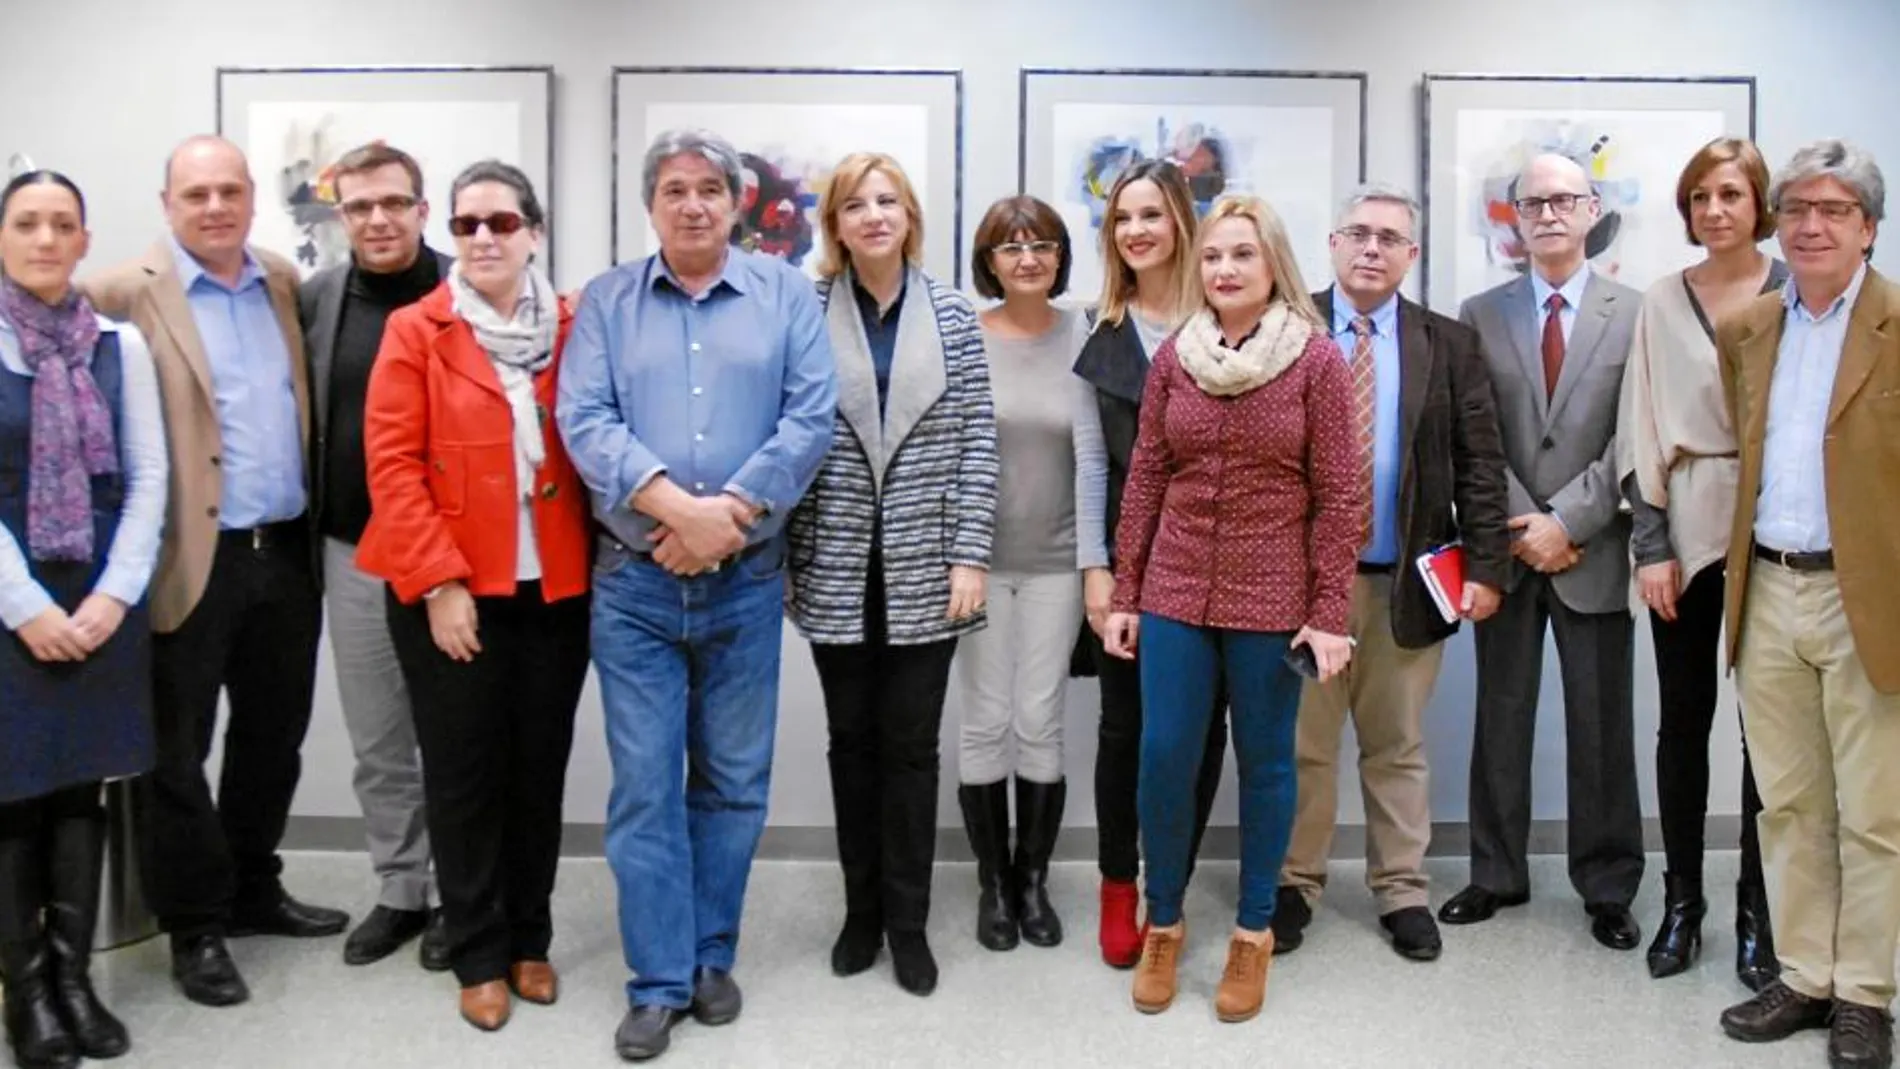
1553,343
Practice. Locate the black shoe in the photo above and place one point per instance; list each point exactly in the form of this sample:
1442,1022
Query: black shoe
285,915
1291,915
39,1038
1678,939
1862,1038
434,950
1777,1013
911,960
857,946
204,970
382,933
1755,963
78,854
986,820
1038,822
645,1032
716,998
1414,933
1475,904
1613,926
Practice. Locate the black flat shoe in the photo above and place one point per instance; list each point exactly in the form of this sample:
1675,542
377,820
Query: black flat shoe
645,1032
1777,1013
1414,933
857,946
433,952
382,933
1678,939
204,970
1476,904
1861,1038
1291,915
716,997
911,960
1614,927
286,916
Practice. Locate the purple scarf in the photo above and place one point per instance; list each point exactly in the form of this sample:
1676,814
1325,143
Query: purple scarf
72,432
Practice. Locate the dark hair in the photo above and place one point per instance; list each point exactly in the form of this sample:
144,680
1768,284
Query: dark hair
506,174
42,178
366,158
1007,218
1742,154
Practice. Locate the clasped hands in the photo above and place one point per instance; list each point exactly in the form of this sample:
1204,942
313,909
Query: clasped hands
55,636
701,532
1543,544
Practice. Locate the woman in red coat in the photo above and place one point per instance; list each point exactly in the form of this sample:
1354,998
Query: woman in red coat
480,527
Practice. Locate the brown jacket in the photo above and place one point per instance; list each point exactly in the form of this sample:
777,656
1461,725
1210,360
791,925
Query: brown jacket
1861,457
147,291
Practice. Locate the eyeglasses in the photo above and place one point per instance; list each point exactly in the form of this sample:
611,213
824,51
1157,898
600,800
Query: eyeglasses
500,224
1031,248
1389,240
359,209
1560,203
1834,211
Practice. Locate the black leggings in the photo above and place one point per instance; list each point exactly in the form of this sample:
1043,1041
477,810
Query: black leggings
1118,770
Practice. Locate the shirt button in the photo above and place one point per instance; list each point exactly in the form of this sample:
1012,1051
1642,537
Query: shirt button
699,437
694,347
699,486
697,391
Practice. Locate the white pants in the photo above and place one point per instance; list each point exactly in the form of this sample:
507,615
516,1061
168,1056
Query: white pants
1014,675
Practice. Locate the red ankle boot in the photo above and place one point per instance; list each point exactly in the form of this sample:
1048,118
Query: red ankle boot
1120,938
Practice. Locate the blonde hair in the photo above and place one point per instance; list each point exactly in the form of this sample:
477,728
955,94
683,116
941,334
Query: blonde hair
1118,279
1288,286
845,180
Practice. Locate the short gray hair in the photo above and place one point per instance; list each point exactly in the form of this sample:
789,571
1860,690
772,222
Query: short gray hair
1843,161
504,174
705,144
1378,192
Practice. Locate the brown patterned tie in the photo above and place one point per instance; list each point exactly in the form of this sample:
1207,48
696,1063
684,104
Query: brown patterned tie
1553,344
1365,399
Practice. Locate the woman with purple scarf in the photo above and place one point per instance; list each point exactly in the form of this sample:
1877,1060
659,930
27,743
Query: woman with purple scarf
82,497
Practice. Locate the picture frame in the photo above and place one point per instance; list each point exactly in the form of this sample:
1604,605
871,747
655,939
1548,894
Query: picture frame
1295,137
1632,134
791,126
293,122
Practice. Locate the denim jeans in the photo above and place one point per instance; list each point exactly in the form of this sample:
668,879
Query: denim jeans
1181,668
689,674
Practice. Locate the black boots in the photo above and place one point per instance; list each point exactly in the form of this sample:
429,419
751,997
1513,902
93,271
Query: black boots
1755,962
1679,937
79,843
986,819
38,1037
1039,820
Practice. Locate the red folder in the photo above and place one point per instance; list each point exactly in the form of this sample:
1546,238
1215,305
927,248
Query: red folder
1443,570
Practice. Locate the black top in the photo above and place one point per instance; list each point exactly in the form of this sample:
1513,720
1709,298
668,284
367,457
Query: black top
880,332
369,298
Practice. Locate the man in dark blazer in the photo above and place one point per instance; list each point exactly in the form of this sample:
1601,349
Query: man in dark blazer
1429,436
1556,341
343,308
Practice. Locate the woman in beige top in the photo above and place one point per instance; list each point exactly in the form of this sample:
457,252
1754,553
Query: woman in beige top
1678,467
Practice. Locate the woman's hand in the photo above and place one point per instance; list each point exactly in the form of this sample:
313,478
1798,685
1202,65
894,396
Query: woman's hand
1331,652
51,637
452,622
968,587
1098,590
1658,585
1120,634
98,619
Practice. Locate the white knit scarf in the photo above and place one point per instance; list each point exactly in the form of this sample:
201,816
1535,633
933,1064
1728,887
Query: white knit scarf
1225,372
518,347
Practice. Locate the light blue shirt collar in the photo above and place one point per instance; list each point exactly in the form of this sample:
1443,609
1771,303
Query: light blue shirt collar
732,274
190,270
1572,289
1385,318
1791,297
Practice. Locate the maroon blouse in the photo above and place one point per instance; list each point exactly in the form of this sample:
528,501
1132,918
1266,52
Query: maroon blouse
1244,512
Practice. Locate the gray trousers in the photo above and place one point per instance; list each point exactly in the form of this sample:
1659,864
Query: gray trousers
1014,674
388,778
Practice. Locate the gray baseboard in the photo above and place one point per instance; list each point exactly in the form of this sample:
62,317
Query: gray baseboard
818,843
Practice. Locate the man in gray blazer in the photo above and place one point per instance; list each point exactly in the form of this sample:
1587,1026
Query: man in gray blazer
343,309
1556,341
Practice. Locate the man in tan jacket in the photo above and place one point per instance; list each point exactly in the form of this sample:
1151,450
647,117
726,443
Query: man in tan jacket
1813,381
235,602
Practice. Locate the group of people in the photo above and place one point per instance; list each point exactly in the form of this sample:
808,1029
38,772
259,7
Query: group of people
1208,489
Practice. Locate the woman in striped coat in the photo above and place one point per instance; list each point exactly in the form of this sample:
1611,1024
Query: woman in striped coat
890,551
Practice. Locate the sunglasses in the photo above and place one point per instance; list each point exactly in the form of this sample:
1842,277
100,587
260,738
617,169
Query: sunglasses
500,224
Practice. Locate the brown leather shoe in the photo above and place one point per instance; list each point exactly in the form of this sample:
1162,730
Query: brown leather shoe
535,981
1243,986
1155,981
486,1006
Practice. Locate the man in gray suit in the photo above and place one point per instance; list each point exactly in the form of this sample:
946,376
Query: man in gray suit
1556,341
343,308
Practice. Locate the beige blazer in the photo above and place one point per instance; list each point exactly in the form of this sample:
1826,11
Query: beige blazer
147,292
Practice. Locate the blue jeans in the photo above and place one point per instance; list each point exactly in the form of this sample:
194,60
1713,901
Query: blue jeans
689,679
1181,668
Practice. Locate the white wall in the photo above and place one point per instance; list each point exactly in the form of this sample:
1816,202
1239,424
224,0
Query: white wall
102,89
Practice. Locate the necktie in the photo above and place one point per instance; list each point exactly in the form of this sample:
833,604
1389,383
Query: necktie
1365,397
1553,343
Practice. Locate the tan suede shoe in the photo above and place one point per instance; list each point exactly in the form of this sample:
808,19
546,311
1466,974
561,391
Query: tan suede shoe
1155,973
535,981
486,1006
1243,986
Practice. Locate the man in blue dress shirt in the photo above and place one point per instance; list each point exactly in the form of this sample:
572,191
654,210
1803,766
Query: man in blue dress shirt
697,401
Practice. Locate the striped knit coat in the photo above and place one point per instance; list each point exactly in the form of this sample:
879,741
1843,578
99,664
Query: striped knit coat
924,474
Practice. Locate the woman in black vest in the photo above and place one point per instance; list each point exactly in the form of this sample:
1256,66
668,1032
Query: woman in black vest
82,496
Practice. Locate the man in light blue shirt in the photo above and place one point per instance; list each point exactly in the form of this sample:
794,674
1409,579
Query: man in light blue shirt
697,401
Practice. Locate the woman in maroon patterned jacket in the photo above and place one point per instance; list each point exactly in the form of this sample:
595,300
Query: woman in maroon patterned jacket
1243,517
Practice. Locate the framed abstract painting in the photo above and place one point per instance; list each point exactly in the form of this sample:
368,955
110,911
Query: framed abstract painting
792,125
1295,138
1631,135
294,122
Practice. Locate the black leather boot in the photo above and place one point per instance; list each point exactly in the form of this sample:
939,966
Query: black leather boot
1678,939
1755,962
1038,822
34,1030
986,819
79,843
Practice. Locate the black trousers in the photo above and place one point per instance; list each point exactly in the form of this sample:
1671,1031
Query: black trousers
495,734
253,637
1118,769
884,712
1686,676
